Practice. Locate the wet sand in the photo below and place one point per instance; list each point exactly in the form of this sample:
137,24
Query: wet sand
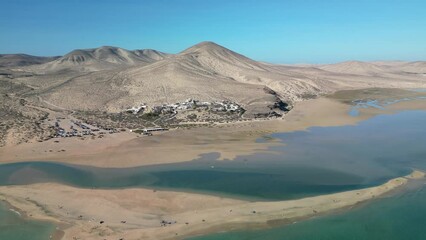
230,140
138,213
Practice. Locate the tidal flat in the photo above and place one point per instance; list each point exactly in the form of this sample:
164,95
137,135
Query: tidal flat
333,166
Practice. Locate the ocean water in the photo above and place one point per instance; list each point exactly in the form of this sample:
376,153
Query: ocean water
14,227
400,217
359,104
385,143
317,161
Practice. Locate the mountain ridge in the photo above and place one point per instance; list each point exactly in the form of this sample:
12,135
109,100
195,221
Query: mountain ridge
102,58
21,59
112,79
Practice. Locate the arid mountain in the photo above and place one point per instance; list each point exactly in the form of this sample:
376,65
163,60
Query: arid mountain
190,74
114,79
354,67
150,55
20,60
87,60
380,68
418,67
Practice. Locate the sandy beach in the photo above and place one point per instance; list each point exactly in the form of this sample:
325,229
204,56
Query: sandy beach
229,140
148,214
212,120
139,213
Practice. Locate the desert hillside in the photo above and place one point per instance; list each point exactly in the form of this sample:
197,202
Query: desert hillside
208,71
20,60
102,58
113,79
115,88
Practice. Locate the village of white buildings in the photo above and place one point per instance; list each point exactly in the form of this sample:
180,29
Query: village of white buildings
141,119
223,106
75,128
144,119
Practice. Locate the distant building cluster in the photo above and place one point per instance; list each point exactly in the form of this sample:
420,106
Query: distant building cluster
138,109
189,104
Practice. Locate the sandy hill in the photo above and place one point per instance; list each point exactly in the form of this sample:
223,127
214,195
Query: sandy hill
150,55
418,67
192,73
380,71
20,60
102,58
206,71
355,67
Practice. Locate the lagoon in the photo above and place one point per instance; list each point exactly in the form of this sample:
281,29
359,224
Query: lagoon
317,161
399,217
14,227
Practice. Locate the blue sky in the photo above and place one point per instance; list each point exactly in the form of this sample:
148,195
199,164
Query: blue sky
286,31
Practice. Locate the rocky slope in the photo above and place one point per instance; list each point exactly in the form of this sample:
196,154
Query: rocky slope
113,79
20,60
102,58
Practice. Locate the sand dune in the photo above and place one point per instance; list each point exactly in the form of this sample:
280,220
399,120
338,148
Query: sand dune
354,67
379,68
414,67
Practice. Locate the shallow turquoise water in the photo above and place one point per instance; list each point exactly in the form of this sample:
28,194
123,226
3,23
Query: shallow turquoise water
401,217
13,227
288,183
317,161
320,160
359,104
382,144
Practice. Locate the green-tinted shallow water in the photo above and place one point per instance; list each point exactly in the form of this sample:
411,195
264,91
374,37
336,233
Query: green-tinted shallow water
321,160
401,217
318,161
14,227
289,183
393,142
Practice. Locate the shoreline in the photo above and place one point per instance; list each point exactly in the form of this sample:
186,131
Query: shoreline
144,209
277,220
127,149
197,214
57,234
